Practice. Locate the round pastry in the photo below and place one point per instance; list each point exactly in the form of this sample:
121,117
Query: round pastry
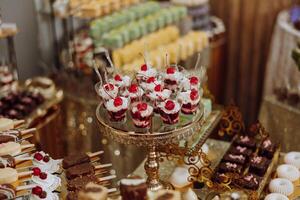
169,111
190,101
121,81
108,91
179,178
282,186
289,172
189,195
117,108
276,196
150,84
134,92
293,158
145,72
141,114
172,78
45,162
10,148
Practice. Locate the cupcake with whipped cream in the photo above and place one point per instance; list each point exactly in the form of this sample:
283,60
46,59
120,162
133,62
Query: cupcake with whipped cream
189,83
158,95
145,72
134,92
38,193
150,84
190,100
170,111
141,114
45,179
117,108
121,81
107,91
172,78
45,162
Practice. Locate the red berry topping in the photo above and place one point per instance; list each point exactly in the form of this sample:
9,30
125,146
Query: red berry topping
36,171
144,67
171,70
151,79
43,176
37,190
170,105
194,94
38,156
194,80
43,195
118,77
118,101
109,87
157,88
133,88
142,106
46,159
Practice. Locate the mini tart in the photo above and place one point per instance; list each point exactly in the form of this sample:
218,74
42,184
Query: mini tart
134,92
282,186
172,78
289,172
293,158
189,83
121,81
190,101
108,91
170,111
150,83
276,196
117,108
145,72
141,114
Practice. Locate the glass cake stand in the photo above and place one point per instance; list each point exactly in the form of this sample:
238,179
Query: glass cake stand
158,135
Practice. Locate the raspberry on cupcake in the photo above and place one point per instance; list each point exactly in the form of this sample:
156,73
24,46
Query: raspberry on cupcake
170,111
117,108
145,72
141,114
190,101
107,91
172,78
134,92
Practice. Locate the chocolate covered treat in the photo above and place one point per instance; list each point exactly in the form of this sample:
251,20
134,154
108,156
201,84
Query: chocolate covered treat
93,191
246,141
75,159
240,150
230,167
7,161
235,158
80,170
259,165
267,148
80,182
133,188
249,181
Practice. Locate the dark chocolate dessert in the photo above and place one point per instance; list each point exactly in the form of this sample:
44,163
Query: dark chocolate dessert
259,165
75,159
241,150
230,167
249,181
133,189
267,148
235,158
80,170
246,141
80,182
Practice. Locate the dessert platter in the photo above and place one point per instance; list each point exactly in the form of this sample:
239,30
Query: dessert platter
151,109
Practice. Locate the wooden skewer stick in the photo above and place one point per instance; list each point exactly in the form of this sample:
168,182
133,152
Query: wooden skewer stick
91,155
18,122
107,178
25,137
103,166
25,187
25,146
27,131
111,190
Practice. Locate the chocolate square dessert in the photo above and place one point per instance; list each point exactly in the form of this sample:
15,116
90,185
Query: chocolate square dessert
80,170
267,148
235,158
259,165
249,181
246,141
133,188
230,167
241,151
